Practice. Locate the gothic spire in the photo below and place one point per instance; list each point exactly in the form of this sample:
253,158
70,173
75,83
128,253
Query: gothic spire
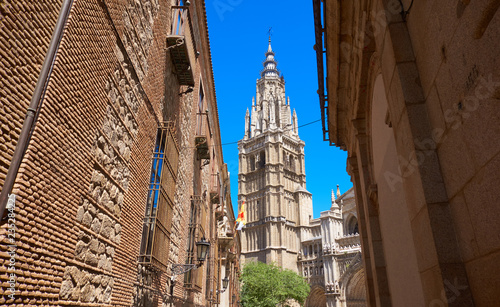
270,64
335,206
247,124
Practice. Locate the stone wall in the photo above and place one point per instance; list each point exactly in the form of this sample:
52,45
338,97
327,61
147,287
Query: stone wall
82,186
416,109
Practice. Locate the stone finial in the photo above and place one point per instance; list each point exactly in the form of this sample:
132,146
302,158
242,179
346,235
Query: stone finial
338,191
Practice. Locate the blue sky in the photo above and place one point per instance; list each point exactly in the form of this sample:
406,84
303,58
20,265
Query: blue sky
238,38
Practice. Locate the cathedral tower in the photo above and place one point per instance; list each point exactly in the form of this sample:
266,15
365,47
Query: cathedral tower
272,180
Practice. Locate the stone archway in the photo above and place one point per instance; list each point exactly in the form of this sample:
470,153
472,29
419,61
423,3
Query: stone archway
316,297
355,291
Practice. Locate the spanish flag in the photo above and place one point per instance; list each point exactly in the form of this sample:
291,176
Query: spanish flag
241,217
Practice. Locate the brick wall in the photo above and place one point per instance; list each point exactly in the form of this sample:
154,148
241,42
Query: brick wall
82,186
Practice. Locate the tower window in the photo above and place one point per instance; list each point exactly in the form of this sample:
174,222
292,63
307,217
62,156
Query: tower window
352,226
262,159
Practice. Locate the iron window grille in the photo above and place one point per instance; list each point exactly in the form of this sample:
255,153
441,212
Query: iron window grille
159,207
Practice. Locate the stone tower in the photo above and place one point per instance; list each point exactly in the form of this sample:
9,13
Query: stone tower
272,180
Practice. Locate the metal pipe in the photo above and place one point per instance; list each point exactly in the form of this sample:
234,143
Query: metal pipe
318,47
35,104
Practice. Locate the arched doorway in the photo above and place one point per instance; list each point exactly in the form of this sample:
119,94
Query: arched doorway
355,292
316,297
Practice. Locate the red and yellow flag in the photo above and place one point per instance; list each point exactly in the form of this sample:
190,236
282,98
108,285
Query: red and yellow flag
241,221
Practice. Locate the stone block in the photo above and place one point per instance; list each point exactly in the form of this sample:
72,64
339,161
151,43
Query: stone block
110,205
88,293
463,227
110,251
403,49
92,210
98,295
96,192
79,214
444,233
117,211
94,245
75,294
481,196
104,198
395,97
435,113
118,228
96,280
107,227
480,128
102,261
432,287
119,199
107,295
91,259
96,225
80,250
483,279
102,248
432,180
87,219
113,192
457,164
105,280
424,241
410,82
108,265
66,289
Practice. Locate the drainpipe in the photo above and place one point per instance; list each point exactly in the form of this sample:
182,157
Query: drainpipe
35,104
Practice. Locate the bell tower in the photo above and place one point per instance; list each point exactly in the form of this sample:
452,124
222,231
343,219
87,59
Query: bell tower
272,180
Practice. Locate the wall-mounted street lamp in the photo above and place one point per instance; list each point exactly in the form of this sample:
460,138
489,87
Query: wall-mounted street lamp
202,247
225,283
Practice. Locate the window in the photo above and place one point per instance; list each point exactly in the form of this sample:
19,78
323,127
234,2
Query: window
262,159
197,224
191,241
179,18
252,163
352,226
158,217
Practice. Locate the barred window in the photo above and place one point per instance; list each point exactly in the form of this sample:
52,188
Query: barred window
197,224
159,207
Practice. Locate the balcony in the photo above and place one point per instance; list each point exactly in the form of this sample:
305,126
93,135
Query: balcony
215,189
201,144
180,46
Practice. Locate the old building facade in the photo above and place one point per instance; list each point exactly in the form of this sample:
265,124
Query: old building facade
330,255
410,89
121,175
279,226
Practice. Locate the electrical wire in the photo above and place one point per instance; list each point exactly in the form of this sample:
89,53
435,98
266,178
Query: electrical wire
236,142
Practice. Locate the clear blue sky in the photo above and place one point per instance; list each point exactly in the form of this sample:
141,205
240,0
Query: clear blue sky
238,38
